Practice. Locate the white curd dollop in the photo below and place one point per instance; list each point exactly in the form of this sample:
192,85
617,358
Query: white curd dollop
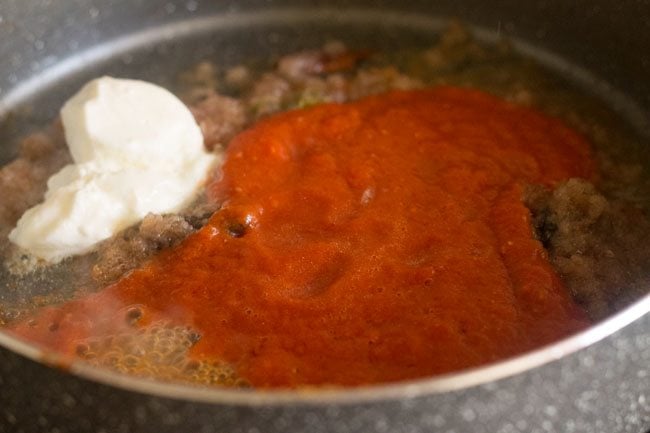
136,149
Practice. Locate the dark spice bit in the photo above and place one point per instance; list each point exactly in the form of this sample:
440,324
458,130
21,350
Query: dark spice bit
194,337
133,315
82,349
236,229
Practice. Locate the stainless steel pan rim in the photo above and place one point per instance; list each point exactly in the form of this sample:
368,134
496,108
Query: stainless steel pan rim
223,21
317,396
55,69
324,396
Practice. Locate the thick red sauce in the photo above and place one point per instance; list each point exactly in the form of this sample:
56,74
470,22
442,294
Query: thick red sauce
367,242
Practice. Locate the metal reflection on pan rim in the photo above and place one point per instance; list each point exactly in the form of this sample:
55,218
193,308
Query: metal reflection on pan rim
321,396
317,396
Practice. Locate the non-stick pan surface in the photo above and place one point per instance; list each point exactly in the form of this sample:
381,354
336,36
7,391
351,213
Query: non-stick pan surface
598,381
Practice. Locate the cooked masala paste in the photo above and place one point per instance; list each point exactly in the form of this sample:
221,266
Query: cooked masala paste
359,243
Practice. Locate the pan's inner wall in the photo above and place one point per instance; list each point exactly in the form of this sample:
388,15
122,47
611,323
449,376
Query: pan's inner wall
47,68
610,39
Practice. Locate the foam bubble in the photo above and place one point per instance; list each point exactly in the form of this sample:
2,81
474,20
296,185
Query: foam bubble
160,351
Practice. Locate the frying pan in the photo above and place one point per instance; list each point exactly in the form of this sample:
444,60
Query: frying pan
596,381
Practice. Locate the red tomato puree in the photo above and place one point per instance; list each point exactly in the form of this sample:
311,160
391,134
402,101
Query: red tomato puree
360,243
